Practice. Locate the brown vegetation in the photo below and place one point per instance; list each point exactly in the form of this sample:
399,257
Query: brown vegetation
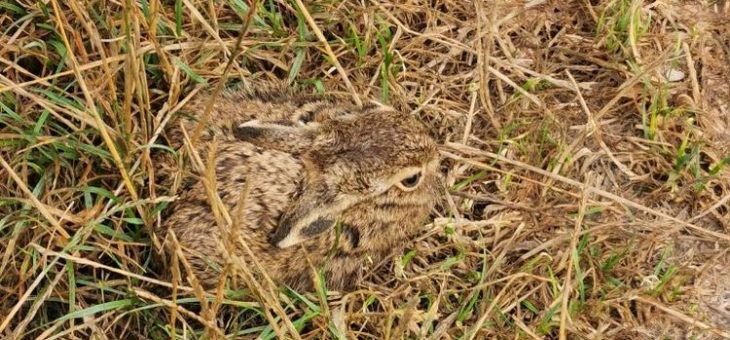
586,146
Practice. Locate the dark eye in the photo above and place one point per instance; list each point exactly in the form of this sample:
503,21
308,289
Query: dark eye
412,181
307,117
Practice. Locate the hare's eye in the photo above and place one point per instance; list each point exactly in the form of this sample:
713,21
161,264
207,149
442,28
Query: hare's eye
307,117
412,181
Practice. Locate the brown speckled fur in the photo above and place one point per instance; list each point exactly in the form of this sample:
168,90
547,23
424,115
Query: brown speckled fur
352,151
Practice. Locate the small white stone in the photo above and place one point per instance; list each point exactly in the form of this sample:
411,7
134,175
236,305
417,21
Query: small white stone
674,75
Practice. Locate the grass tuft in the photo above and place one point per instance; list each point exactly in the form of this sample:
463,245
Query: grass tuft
585,157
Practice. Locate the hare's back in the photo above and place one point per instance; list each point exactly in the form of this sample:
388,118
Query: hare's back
254,186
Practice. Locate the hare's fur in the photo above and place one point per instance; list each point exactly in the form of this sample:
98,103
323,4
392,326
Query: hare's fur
306,180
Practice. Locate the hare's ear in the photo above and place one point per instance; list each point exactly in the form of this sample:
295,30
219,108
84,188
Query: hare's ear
314,212
293,139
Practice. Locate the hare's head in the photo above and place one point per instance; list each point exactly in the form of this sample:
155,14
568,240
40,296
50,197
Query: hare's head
374,154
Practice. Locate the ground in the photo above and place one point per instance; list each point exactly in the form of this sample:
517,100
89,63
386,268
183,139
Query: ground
585,148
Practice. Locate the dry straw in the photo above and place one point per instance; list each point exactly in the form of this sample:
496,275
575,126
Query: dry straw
585,150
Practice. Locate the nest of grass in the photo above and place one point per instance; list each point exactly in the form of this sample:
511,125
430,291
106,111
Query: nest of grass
585,146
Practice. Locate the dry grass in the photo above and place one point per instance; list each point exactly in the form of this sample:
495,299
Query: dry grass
586,146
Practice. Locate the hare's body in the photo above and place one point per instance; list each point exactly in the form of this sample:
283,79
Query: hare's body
306,180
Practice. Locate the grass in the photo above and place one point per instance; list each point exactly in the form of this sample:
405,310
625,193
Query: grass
587,192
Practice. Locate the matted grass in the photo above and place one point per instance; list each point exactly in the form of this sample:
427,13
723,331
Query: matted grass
585,145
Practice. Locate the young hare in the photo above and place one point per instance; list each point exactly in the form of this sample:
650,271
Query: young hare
306,180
